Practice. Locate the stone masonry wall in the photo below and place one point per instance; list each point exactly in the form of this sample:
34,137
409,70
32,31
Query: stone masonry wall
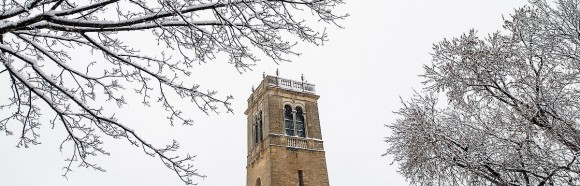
275,161
287,161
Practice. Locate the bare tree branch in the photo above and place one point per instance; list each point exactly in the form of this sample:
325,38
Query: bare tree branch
40,39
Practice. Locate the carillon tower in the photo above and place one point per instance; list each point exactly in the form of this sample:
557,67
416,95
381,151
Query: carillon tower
284,137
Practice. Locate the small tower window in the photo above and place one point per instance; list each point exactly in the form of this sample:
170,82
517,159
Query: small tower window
256,129
260,126
300,178
288,120
300,128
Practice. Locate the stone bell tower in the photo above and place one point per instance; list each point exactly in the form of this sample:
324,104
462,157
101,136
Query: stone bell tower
284,137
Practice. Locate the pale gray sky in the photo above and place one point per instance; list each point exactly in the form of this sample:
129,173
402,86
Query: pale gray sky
360,74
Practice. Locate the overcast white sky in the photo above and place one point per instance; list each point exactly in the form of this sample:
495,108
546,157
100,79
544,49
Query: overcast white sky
359,74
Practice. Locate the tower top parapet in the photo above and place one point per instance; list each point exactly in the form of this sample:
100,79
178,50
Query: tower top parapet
283,83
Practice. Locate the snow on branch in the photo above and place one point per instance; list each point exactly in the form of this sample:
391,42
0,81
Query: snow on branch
39,40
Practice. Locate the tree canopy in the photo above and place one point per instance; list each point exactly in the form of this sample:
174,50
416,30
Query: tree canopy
513,110
40,39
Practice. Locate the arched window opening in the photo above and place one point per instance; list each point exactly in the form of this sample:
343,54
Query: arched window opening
258,182
256,129
260,126
288,120
300,126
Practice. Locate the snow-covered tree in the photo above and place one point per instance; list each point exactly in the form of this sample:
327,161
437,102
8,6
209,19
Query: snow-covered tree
40,39
513,105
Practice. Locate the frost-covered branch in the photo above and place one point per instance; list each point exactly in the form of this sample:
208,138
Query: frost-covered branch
40,42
